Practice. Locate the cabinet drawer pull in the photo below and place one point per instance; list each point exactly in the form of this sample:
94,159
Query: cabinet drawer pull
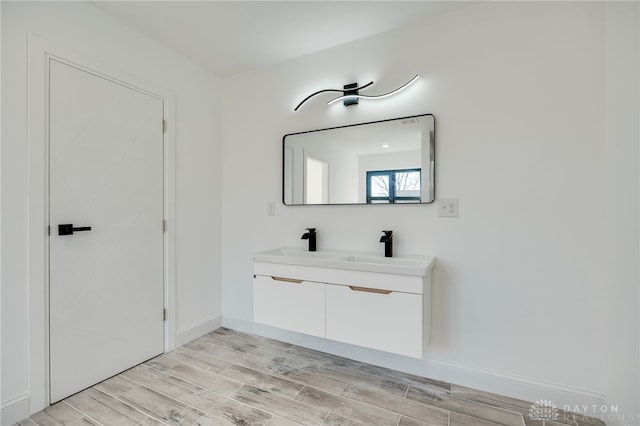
288,280
370,290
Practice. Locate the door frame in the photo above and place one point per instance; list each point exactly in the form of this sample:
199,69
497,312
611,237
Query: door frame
40,53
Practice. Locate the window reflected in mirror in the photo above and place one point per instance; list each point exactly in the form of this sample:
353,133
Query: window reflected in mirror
393,186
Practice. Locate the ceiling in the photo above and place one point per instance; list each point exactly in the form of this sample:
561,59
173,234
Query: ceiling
232,37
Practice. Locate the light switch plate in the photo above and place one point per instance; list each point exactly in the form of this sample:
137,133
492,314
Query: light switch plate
448,207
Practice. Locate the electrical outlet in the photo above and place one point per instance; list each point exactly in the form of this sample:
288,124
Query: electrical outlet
448,207
271,208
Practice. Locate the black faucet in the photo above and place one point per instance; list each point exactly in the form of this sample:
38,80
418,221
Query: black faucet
311,236
387,239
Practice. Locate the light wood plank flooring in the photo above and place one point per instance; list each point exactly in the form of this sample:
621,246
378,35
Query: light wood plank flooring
232,378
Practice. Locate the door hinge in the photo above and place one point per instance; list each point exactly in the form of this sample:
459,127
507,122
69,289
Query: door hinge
164,315
48,229
164,126
164,225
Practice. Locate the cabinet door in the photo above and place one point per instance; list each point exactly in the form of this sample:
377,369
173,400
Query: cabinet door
289,304
388,321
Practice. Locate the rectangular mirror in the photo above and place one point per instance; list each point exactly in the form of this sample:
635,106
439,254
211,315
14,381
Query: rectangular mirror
382,162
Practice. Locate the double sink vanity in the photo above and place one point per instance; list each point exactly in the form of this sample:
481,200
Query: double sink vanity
359,298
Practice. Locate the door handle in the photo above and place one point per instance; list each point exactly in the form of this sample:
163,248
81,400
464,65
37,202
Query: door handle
288,280
370,290
68,229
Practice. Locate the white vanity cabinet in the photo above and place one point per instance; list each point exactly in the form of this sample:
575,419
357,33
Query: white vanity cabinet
291,304
390,321
385,311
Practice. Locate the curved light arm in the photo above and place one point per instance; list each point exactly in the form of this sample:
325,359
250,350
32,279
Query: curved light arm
384,95
329,90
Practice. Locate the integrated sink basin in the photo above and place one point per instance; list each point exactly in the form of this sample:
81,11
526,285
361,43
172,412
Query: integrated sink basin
352,260
399,261
298,252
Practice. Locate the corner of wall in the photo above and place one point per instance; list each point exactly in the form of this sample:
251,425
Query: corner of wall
15,409
197,329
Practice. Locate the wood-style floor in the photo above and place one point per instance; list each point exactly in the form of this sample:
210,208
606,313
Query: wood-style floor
231,378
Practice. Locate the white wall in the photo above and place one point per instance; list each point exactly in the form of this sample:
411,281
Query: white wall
622,223
342,165
85,30
537,280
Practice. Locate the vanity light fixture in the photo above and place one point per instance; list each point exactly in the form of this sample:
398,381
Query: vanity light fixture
352,89
356,96
351,93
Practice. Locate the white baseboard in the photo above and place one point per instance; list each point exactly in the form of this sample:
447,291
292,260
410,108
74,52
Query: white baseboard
489,381
200,328
526,389
14,409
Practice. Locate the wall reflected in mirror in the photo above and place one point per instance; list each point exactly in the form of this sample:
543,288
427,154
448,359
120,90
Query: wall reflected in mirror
383,162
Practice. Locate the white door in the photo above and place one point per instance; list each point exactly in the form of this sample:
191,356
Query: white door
106,283
316,181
